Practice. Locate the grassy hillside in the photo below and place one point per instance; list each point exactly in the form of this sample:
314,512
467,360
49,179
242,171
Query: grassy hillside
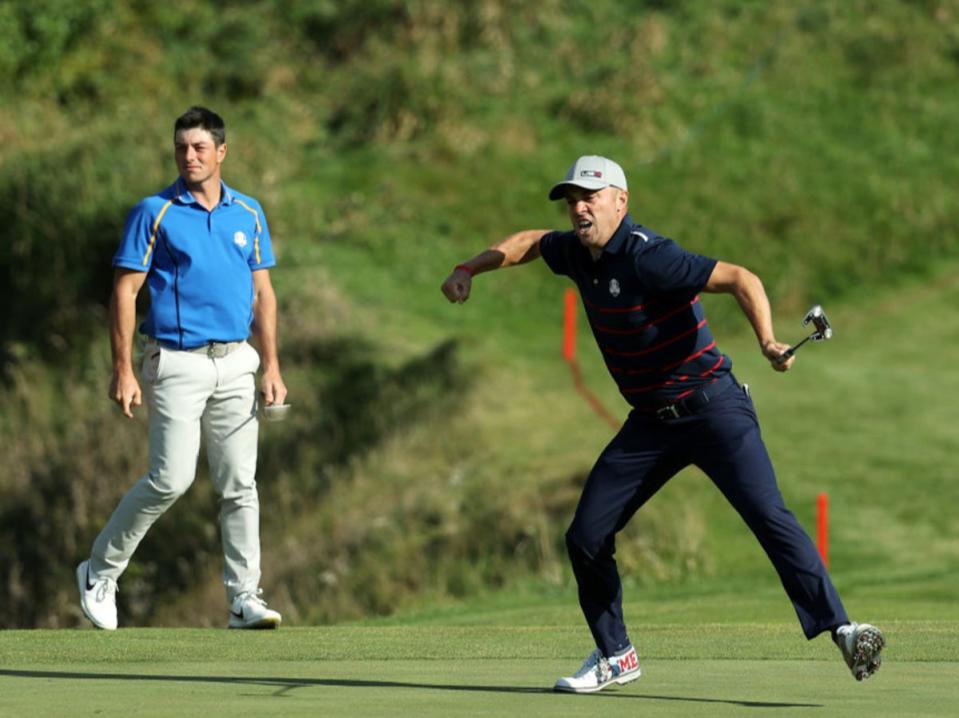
437,451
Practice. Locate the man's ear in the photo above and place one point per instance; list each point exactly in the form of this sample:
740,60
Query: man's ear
622,199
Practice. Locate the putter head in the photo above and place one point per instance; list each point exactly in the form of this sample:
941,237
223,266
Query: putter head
819,320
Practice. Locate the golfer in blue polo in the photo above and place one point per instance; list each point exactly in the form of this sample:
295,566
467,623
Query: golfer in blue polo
203,251
641,292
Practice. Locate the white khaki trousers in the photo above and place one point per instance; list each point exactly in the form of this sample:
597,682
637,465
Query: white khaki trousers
191,394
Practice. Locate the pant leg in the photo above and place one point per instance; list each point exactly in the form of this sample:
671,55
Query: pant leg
230,427
732,453
176,386
629,471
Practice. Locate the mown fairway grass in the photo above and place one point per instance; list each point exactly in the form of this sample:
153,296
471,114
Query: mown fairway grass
423,669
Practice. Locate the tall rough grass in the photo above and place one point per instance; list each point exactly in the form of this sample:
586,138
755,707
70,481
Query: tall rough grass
388,140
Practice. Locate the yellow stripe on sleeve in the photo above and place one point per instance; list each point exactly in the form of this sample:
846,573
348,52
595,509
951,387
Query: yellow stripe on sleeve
259,229
156,228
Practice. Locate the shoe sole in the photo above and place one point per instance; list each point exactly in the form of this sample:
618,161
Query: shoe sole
264,625
867,656
622,681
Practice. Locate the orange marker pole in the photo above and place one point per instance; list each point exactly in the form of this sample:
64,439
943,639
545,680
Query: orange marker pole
569,325
569,356
822,523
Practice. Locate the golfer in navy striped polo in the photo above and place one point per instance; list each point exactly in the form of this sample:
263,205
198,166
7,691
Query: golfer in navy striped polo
642,293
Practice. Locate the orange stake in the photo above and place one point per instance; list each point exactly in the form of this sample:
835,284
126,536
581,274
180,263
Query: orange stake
822,503
569,356
569,325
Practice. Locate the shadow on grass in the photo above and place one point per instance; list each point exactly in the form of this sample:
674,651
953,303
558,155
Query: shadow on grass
287,684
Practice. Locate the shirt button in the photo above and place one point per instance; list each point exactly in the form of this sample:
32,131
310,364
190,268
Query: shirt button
595,281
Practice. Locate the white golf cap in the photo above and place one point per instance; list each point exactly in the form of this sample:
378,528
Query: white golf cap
591,172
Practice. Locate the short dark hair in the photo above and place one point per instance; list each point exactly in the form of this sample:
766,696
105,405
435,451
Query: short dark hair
203,118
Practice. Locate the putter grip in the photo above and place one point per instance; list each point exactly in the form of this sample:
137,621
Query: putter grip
786,354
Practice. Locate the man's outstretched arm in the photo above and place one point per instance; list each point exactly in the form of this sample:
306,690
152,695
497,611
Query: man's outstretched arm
751,295
518,248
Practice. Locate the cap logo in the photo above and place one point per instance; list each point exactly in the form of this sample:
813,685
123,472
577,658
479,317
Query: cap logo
590,173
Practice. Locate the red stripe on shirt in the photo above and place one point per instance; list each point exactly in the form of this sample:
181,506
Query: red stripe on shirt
667,367
671,382
653,387
647,325
657,347
715,366
614,310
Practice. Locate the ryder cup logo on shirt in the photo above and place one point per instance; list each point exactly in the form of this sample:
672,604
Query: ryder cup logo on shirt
239,239
614,287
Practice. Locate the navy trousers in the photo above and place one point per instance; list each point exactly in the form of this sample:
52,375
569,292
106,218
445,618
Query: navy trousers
722,439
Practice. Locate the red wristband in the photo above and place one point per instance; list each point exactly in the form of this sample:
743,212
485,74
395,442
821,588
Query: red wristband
469,270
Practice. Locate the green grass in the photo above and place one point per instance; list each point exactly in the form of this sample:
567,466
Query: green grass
432,669
810,143
707,648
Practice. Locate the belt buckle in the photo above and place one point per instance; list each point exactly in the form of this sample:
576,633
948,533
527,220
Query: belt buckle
216,350
667,412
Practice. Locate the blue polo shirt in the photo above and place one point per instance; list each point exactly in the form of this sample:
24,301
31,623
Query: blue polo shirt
642,302
199,264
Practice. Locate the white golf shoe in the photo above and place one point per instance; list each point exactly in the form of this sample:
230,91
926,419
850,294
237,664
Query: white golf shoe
98,598
250,611
598,671
861,645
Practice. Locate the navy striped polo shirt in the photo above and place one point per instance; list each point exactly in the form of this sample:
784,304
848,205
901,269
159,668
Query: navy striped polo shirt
642,301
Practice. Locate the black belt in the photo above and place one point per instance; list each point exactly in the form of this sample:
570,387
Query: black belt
689,405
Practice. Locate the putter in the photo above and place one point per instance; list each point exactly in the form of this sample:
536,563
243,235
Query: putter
823,331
